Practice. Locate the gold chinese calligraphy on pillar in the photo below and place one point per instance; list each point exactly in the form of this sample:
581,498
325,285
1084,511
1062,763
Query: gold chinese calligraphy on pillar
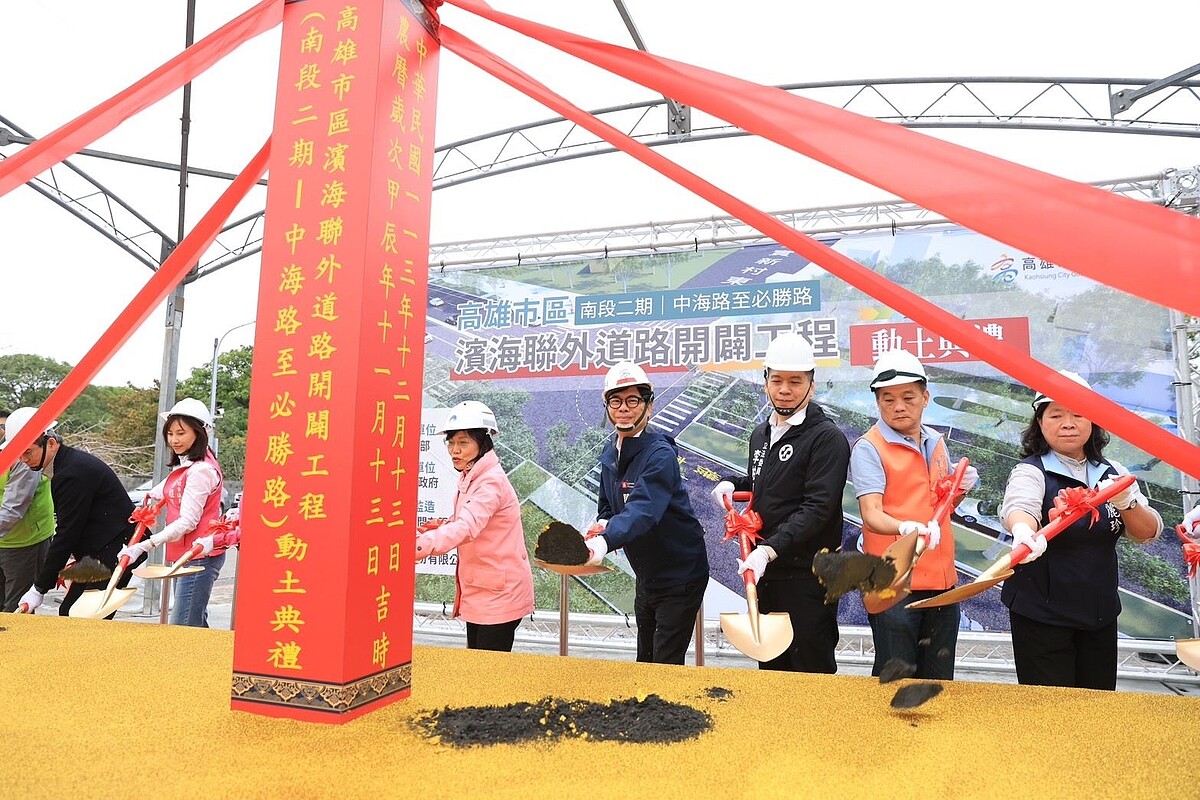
325,583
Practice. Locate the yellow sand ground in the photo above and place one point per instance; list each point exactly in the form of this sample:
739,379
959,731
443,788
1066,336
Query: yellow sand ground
104,709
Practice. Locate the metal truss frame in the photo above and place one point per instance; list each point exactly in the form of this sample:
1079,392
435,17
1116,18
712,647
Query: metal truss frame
1066,104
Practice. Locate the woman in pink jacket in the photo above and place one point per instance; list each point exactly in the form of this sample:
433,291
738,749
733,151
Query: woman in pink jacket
493,581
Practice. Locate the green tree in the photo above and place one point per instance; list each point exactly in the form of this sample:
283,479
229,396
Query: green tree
133,427
27,380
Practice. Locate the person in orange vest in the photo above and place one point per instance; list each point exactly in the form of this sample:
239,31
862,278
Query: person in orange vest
895,468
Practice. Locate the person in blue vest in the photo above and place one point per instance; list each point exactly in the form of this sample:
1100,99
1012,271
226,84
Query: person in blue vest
1062,599
644,508
26,525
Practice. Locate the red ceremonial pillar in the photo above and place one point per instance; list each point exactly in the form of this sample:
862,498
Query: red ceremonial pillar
325,582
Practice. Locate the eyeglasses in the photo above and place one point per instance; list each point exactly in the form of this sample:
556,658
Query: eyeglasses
632,402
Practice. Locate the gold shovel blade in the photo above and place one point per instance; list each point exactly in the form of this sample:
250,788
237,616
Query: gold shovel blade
904,554
155,571
775,634
93,604
1188,651
960,593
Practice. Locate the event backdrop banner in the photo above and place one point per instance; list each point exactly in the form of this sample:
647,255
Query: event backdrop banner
533,341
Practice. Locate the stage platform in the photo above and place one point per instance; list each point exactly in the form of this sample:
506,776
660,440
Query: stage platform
103,708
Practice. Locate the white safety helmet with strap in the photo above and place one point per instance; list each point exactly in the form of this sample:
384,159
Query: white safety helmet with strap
189,407
469,415
18,420
1040,399
895,368
789,352
624,375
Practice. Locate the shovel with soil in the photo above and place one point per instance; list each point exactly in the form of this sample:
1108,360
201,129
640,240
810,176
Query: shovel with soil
99,603
905,551
1071,505
560,548
762,637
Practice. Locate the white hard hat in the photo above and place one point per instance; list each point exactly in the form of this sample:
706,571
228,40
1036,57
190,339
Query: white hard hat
189,407
896,367
18,420
790,352
1040,399
624,374
468,415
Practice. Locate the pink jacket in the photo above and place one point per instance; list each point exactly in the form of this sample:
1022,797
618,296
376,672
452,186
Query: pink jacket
494,580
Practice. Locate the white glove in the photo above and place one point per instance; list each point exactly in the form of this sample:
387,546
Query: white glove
1122,500
1191,520
424,546
970,479
723,490
933,530
1023,534
908,526
757,561
30,601
596,528
206,545
598,548
134,551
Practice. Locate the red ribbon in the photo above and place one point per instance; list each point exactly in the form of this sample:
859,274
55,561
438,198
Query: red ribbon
145,515
748,522
1191,551
1078,501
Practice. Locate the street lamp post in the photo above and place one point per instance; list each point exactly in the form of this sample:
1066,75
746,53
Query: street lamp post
212,398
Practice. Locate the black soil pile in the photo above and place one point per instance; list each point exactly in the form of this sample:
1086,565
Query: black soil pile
718,693
561,543
86,570
896,669
649,720
915,694
841,572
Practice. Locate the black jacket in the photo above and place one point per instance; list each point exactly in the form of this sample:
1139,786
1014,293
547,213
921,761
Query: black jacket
797,486
91,510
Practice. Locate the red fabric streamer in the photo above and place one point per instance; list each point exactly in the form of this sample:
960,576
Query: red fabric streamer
1004,357
168,276
87,128
1085,229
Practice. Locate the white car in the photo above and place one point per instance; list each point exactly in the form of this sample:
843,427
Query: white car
436,302
138,493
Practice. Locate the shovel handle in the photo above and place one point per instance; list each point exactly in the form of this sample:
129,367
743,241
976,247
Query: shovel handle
947,505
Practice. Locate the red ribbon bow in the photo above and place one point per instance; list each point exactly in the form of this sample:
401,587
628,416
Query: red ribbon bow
223,526
145,515
1191,551
1077,501
737,523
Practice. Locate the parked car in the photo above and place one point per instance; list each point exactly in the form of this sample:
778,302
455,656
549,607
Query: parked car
138,493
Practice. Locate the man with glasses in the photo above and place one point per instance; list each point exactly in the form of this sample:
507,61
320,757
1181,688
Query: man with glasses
91,506
26,525
644,508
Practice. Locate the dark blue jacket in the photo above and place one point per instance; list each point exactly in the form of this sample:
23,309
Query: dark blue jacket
643,498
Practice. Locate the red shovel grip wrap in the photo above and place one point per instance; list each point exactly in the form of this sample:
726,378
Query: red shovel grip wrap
744,526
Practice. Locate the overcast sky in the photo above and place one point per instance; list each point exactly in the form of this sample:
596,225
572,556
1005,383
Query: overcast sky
63,283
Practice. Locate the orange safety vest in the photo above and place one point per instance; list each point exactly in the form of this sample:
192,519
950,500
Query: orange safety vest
909,494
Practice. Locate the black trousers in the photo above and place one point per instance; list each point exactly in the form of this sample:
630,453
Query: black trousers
814,624
492,637
1053,655
666,618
